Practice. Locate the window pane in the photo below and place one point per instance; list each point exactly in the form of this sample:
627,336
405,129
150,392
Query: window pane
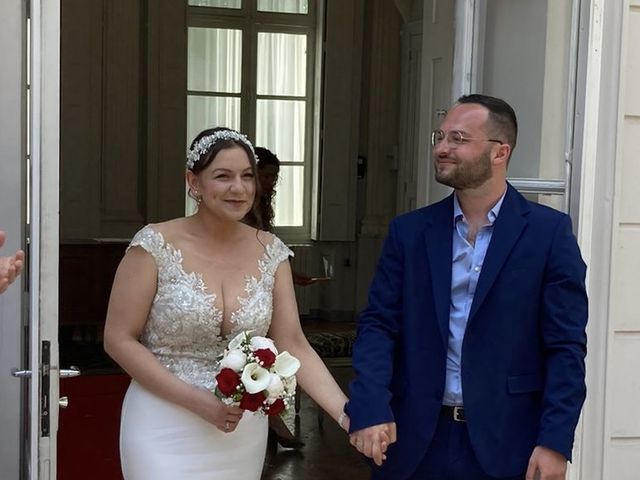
209,112
280,128
531,41
216,3
553,201
215,60
288,204
282,64
284,6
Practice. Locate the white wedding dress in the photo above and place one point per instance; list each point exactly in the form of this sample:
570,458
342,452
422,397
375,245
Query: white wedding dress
160,440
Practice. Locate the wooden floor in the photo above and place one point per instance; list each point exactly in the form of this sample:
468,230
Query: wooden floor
327,454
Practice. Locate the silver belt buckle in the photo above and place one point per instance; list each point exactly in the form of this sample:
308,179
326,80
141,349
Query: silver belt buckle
458,414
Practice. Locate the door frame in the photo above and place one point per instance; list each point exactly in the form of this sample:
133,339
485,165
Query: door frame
44,233
587,200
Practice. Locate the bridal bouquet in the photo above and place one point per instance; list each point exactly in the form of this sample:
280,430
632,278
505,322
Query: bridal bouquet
255,377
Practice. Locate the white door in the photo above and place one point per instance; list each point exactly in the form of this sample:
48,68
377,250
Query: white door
12,191
32,171
526,52
409,116
435,95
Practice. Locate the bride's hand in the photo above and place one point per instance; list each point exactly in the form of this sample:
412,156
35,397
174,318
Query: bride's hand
211,409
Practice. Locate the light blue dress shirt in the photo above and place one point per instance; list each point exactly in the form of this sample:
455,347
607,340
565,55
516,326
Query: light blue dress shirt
466,266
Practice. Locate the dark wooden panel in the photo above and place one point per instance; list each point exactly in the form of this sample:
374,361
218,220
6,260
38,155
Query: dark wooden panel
123,189
86,276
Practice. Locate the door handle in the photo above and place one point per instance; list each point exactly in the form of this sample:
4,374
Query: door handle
64,373
70,372
20,373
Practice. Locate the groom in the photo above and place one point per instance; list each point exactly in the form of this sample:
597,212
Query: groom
469,358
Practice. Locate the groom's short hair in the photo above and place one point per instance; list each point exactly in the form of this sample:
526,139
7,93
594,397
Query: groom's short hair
502,117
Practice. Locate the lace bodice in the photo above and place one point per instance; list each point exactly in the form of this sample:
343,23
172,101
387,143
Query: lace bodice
183,329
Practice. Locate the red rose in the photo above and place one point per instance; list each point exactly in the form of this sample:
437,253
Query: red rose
266,356
251,401
228,380
276,407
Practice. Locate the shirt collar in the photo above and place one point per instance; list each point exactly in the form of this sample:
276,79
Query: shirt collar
493,213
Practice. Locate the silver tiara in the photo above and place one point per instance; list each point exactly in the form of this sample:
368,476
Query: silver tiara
205,143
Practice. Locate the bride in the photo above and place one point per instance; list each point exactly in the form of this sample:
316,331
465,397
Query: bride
182,290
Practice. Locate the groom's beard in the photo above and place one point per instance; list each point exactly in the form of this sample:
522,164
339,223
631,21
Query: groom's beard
466,174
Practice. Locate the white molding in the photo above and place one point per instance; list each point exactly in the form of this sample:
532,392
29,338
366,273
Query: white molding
599,116
463,48
45,148
586,202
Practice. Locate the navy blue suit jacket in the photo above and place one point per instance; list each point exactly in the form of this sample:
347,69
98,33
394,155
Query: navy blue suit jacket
523,351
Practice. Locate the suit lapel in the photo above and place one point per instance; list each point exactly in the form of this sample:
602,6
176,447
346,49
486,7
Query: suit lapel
438,238
507,229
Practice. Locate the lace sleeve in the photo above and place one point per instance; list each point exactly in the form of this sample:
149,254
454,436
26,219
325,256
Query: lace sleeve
278,251
150,240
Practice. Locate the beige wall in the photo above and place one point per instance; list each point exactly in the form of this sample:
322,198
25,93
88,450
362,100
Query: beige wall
622,428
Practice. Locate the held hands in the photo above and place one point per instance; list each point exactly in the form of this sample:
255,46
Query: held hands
10,267
210,408
373,441
547,463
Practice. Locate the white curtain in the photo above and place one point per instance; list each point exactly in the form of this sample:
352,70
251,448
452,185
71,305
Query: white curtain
214,65
283,6
215,60
280,124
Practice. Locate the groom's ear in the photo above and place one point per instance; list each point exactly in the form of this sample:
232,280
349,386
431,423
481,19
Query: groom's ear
501,155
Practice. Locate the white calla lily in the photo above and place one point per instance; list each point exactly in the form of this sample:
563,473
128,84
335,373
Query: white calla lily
236,342
286,364
276,387
234,359
255,378
258,343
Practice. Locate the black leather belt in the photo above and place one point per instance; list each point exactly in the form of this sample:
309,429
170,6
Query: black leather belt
457,413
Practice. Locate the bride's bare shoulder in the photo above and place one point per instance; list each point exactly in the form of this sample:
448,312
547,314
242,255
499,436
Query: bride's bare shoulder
263,237
169,228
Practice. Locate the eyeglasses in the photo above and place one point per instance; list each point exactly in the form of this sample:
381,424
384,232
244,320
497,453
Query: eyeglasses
455,138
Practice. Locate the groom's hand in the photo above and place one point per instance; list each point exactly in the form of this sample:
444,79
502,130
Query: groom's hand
549,464
373,441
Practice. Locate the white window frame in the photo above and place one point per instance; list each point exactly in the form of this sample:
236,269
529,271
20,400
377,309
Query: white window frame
468,61
250,21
